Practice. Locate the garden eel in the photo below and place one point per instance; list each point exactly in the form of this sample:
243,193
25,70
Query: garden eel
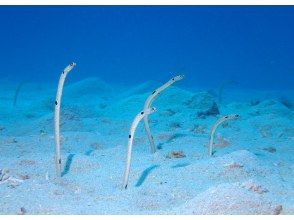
57,116
148,103
216,124
134,125
17,93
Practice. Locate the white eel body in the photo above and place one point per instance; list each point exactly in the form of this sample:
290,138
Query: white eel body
148,103
134,125
216,124
57,117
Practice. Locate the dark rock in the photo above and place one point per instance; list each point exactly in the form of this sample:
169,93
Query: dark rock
23,211
200,101
270,149
286,102
254,102
212,111
278,210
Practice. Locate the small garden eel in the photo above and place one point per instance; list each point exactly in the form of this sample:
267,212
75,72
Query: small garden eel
216,124
57,116
135,123
148,103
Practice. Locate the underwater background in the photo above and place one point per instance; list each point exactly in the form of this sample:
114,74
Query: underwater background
236,98
129,44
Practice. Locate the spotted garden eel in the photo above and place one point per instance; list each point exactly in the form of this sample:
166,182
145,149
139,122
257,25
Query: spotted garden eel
134,125
148,103
57,117
216,124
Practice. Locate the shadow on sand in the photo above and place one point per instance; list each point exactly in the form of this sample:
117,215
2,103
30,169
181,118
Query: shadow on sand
68,164
145,174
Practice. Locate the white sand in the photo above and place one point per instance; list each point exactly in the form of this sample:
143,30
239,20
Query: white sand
250,173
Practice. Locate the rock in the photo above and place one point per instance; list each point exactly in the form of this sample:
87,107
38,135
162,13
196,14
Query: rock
286,102
23,177
201,101
257,189
270,149
4,175
27,162
22,211
198,129
212,111
96,146
175,125
278,210
176,154
265,131
253,187
168,112
222,142
11,141
254,102
272,107
234,166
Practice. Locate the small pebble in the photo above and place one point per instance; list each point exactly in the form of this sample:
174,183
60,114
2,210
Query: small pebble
270,149
176,154
278,210
4,177
11,141
23,177
258,189
23,211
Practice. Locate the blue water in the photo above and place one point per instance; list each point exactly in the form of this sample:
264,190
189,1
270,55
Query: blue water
236,61
252,45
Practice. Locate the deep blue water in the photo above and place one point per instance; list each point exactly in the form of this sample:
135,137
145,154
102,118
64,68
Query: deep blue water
253,45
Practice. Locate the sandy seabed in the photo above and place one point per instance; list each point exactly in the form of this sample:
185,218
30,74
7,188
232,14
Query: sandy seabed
251,171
